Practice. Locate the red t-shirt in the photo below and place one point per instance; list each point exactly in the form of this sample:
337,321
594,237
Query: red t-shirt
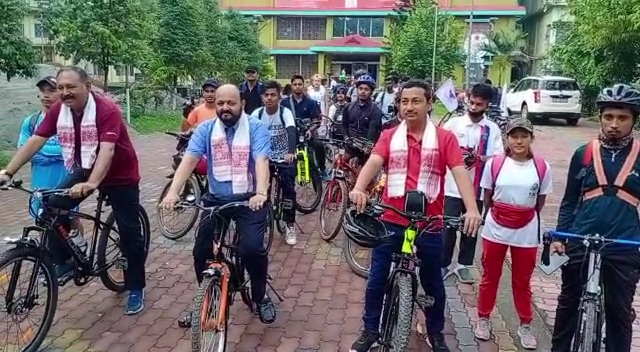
111,128
450,157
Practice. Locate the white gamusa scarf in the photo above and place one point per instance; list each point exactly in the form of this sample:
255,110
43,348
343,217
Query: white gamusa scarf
430,175
88,131
232,164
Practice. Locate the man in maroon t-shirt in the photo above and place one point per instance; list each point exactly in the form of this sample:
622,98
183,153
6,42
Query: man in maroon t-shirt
105,160
415,103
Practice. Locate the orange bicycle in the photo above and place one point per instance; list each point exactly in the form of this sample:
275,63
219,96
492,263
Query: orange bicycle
224,277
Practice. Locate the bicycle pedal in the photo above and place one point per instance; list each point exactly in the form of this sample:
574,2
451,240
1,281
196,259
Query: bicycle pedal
121,263
425,301
63,280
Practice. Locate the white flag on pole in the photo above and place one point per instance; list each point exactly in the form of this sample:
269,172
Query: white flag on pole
503,100
447,95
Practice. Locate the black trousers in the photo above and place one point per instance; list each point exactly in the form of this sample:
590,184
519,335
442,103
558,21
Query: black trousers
320,155
125,202
620,272
455,207
251,226
288,183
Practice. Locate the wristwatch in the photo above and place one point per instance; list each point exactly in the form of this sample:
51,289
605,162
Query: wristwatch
5,172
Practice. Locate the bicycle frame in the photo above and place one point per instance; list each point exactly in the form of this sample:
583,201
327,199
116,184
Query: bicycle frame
85,262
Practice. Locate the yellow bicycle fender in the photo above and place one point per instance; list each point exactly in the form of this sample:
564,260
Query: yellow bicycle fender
409,238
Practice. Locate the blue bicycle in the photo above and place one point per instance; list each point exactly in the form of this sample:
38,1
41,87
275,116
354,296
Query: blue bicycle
589,334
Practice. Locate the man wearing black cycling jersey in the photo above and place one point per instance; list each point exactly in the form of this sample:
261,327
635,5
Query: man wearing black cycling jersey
591,192
362,118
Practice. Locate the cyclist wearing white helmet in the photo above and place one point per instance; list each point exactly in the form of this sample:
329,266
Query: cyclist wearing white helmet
601,197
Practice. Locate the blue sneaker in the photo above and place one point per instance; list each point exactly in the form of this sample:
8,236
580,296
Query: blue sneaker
135,302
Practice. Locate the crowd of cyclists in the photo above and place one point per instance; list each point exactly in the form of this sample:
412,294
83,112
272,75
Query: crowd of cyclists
468,164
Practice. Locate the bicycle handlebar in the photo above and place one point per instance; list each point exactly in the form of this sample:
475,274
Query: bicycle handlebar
549,235
215,209
177,135
450,221
39,194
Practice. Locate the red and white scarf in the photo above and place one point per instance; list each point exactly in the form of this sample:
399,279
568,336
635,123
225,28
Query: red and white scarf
88,135
430,175
232,164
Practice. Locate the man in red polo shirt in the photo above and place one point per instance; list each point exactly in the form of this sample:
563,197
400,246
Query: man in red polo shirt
104,158
415,155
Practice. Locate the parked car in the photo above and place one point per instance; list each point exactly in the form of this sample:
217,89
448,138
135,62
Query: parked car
544,97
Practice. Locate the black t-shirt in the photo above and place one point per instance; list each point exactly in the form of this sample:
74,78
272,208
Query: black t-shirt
252,97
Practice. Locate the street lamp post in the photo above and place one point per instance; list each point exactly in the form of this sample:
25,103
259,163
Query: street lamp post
435,43
467,83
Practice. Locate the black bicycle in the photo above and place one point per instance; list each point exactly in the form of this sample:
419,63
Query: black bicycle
224,277
33,248
401,291
588,336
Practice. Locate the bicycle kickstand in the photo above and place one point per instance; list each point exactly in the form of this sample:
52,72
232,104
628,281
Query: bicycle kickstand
300,227
269,279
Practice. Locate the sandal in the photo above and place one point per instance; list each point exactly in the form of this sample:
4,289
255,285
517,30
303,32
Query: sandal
185,321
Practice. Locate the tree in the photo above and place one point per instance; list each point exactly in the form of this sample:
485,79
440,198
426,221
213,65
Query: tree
602,46
105,33
411,41
239,46
18,57
507,48
180,45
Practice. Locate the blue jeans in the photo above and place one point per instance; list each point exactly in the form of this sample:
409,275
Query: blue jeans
430,253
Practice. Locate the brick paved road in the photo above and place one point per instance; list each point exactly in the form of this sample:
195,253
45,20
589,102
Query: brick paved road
323,299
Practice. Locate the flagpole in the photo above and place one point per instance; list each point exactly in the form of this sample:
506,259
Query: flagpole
435,43
467,83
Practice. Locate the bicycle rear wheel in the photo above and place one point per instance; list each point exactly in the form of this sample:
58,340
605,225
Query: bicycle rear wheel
209,321
335,198
116,283
396,328
587,337
28,337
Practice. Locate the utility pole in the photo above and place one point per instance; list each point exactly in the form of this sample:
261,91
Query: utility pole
435,43
467,83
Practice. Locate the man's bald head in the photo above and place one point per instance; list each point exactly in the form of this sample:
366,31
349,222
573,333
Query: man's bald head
229,104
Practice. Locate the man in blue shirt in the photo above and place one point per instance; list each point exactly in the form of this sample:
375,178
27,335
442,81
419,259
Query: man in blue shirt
237,148
305,110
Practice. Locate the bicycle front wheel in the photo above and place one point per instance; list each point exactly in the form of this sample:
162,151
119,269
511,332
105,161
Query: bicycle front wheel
587,337
176,223
397,323
358,258
335,199
210,317
21,331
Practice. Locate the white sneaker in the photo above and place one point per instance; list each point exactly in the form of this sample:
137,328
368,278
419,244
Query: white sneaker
527,337
483,329
290,236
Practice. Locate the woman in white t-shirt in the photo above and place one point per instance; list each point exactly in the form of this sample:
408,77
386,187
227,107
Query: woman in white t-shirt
515,187
318,93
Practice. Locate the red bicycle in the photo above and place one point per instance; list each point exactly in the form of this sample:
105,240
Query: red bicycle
336,195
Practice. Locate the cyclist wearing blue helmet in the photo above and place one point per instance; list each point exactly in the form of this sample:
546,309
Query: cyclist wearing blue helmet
362,118
601,197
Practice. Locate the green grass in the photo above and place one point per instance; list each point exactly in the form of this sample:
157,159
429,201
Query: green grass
5,157
157,122
439,110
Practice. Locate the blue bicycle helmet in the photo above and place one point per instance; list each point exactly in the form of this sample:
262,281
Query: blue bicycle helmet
620,95
366,79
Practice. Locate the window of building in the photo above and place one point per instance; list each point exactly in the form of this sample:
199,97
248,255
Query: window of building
372,27
289,65
39,30
301,28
